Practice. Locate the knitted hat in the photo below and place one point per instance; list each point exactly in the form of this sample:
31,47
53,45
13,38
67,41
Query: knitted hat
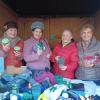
37,24
10,24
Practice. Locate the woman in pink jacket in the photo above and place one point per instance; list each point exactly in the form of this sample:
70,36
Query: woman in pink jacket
65,56
36,50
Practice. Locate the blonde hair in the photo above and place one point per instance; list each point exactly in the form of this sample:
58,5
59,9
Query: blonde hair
69,30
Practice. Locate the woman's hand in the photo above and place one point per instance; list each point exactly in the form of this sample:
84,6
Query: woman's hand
39,52
86,63
63,68
48,55
6,47
18,54
89,64
57,58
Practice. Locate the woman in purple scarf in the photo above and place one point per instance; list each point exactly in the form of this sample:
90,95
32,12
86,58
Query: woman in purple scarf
36,50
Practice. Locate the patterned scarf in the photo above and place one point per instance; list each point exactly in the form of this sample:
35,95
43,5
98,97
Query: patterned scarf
86,44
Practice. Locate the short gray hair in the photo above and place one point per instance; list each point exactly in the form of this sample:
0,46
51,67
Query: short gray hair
88,26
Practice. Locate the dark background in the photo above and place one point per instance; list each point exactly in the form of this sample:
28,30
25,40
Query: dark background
45,8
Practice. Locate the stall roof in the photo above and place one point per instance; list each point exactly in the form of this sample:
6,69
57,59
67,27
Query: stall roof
53,8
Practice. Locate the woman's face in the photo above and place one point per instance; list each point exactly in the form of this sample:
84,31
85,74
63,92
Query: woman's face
66,36
11,32
37,33
86,34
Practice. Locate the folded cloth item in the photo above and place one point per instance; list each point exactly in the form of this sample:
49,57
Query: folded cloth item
25,89
76,94
22,80
44,75
58,79
36,90
61,80
15,70
35,73
96,97
5,88
25,76
27,96
5,96
6,78
54,91
79,87
42,97
45,84
97,82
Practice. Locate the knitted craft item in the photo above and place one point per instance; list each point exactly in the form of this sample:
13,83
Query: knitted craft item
61,80
38,46
13,97
5,95
21,80
27,96
5,41
6,78
78,87
45,84
15,88
61,61
35,73
4,88
58,79
77,95
62,98
25,89
54,92
90,88
64,94
43,97
18,96
46,75
17,48
36,90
